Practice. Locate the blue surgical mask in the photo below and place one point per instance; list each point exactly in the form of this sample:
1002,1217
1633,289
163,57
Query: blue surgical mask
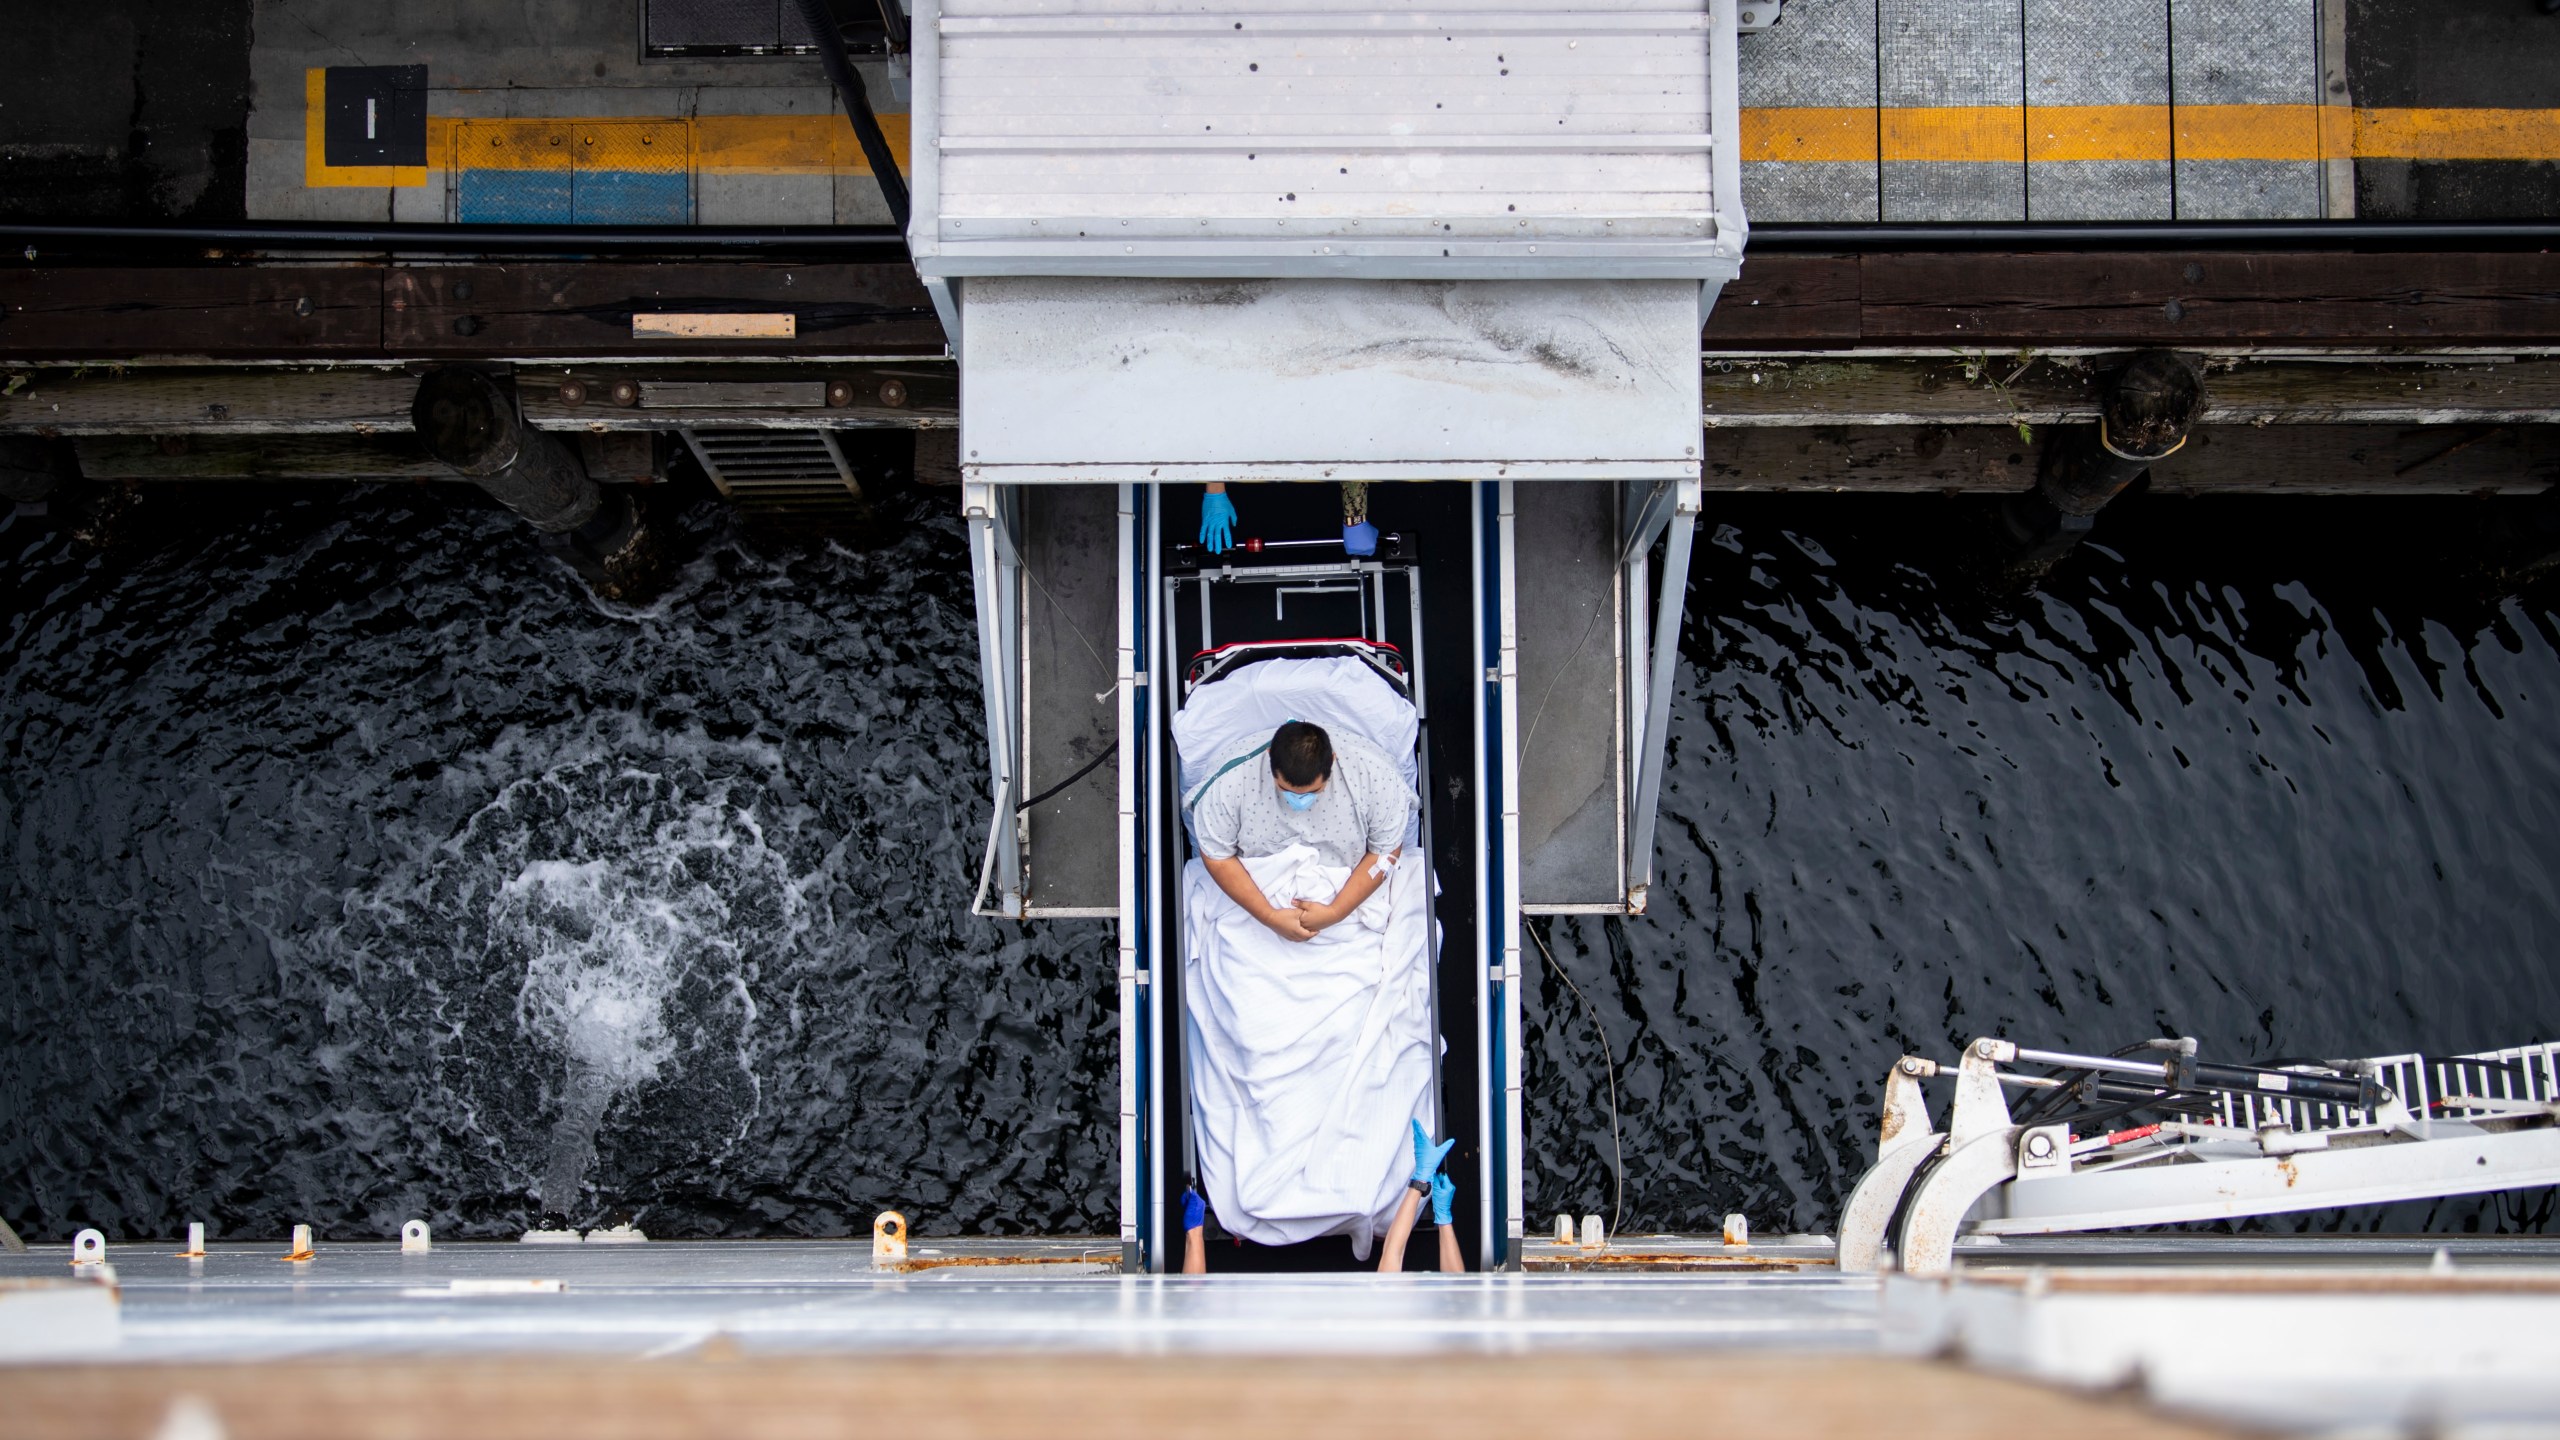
1299,799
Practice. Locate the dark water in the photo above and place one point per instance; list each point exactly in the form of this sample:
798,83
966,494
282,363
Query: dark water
361,867
2257,772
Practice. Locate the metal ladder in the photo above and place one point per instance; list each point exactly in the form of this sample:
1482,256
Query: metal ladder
2196,1141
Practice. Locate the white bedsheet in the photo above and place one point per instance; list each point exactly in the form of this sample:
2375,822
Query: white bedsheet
1307,1059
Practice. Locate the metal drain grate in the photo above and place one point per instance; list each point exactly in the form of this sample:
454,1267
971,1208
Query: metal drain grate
776,469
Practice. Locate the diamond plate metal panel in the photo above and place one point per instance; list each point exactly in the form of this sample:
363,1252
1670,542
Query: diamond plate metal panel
630,173
1964,57
2097,77
1822,58
2247,52
512,172
1949,52
1921,191
1811,191
1823,55
2082,54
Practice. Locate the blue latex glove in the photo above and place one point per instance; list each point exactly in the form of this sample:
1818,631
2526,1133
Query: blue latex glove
1195,1211
1217,523
1360,539
1427,1156
1444,1193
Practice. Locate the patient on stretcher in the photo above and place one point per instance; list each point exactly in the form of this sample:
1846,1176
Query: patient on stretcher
1344,801
1309,1035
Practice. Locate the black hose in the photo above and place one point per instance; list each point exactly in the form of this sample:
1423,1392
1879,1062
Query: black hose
1089,767
857,108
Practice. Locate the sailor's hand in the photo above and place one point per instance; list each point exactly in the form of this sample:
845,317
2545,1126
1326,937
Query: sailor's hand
1427,1156
1290,923
1195,1211
1444,1194
1217,522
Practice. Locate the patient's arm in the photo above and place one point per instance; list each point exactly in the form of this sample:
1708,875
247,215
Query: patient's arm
1365,879
1237,881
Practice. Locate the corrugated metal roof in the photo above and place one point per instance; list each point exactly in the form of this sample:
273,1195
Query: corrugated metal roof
1563,137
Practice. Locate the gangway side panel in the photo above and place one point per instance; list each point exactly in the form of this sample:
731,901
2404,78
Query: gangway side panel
1572,770
1070,716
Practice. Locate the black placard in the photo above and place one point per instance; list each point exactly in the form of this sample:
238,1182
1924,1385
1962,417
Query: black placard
374,115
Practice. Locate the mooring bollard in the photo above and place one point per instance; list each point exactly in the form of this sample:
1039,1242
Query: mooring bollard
415,1238
1593,1236
195,1241
89,1247
2144,411
1564,1229
301,1244
888,1239
1737,1231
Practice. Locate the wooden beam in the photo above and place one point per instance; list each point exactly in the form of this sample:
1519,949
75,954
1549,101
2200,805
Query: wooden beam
75,313
257,457
2000,389
1788,300
2200,299
908,394
353,401
374,399
543,309
561,308
2217,460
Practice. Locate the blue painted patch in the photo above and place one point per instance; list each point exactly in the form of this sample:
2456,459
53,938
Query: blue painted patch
630,197
512,197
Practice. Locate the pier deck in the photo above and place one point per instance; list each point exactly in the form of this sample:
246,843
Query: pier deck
997,1336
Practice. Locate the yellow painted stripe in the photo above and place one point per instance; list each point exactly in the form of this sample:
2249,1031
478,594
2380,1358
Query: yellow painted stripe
2000,134
2096,132
1953,132
2008,133
725,144
2459,134
1808,134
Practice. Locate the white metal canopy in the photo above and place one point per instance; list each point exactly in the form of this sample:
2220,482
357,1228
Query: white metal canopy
1145,380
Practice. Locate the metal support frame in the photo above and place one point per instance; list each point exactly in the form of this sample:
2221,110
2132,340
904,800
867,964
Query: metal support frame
995,567
1671,513
1498,874
1136,983
1905,1142
1490,1253
2237,1140
1164,934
